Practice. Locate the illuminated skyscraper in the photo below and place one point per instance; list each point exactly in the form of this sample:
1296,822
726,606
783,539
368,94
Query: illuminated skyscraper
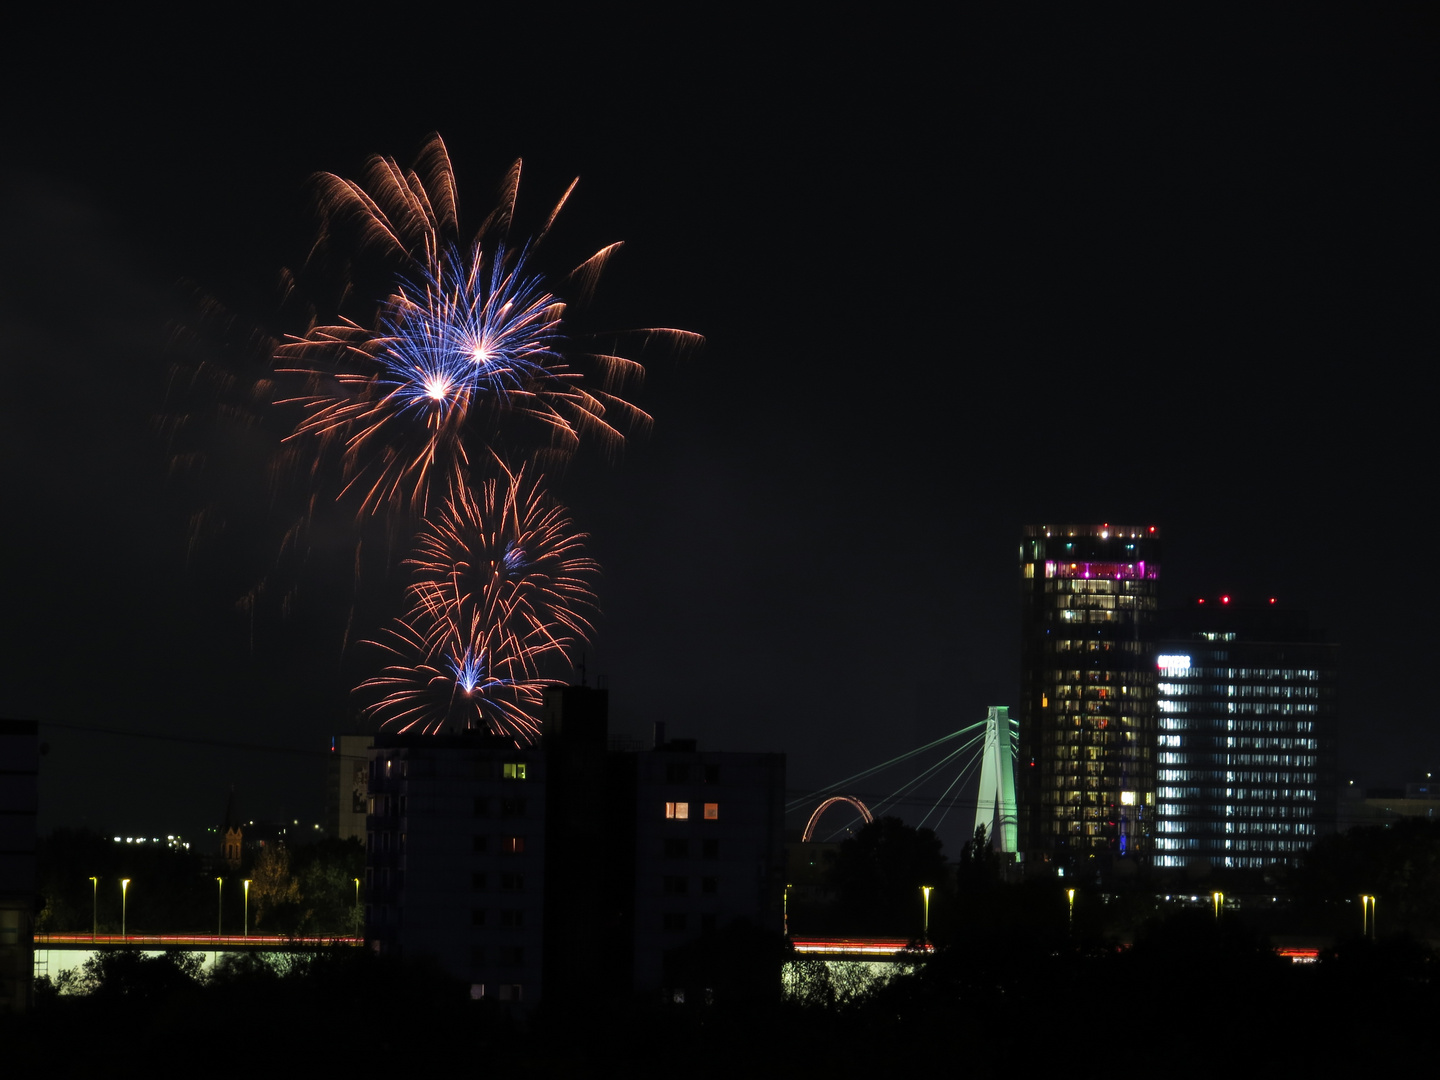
1246,754
1085,777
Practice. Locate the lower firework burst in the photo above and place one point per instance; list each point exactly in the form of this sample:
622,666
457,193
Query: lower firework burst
502,590
507,555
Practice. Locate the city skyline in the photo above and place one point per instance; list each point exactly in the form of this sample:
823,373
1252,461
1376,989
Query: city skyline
1168,273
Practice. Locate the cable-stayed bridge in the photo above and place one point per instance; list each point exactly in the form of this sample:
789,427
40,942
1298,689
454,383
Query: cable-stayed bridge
976,765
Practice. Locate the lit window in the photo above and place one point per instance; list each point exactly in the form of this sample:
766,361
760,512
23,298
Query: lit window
514,770
677,811
1127,798
712,811
513,845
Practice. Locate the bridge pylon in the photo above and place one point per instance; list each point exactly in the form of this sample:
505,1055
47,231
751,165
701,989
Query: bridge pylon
995,803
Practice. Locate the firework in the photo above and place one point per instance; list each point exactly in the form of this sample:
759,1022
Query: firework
466,353
447,679
507,555
501,586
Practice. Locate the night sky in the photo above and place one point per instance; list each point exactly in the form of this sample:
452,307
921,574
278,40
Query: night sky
951,283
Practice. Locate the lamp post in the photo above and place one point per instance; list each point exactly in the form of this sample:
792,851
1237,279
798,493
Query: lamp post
1219,899
926,889
1070,895
1367,917
94,907
124,895
247,908
356,920
219,905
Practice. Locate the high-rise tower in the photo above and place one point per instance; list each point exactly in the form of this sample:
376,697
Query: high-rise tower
1246,754
1086,772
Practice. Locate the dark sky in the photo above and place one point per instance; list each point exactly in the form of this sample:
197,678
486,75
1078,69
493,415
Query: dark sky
952,282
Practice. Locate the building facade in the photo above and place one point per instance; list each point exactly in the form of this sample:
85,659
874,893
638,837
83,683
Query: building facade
346,786
1246,752
1085,775
455,857
708,853
568,869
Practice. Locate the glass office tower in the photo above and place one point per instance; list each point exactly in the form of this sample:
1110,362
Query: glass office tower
1085,777
1246,740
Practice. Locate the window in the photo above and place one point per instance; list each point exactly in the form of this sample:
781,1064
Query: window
512,808
677,849
709,885
711,849
477,956
514,770
712,811
482,807
513,956
512,918
512,882
707,923
677,811
478,883
512,845
712,774
675,885
673,922
677,774
477,916
509,991
482,844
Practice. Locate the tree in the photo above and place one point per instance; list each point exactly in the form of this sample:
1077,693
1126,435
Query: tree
274,893
879,875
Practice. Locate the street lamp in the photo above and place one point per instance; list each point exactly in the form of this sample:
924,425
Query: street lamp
219,905
1070,895
356,919
1367,916
247,908
124,891
1219,899
926,890
94,907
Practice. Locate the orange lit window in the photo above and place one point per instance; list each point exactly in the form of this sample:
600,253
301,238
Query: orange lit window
512,845
712,811
677,811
